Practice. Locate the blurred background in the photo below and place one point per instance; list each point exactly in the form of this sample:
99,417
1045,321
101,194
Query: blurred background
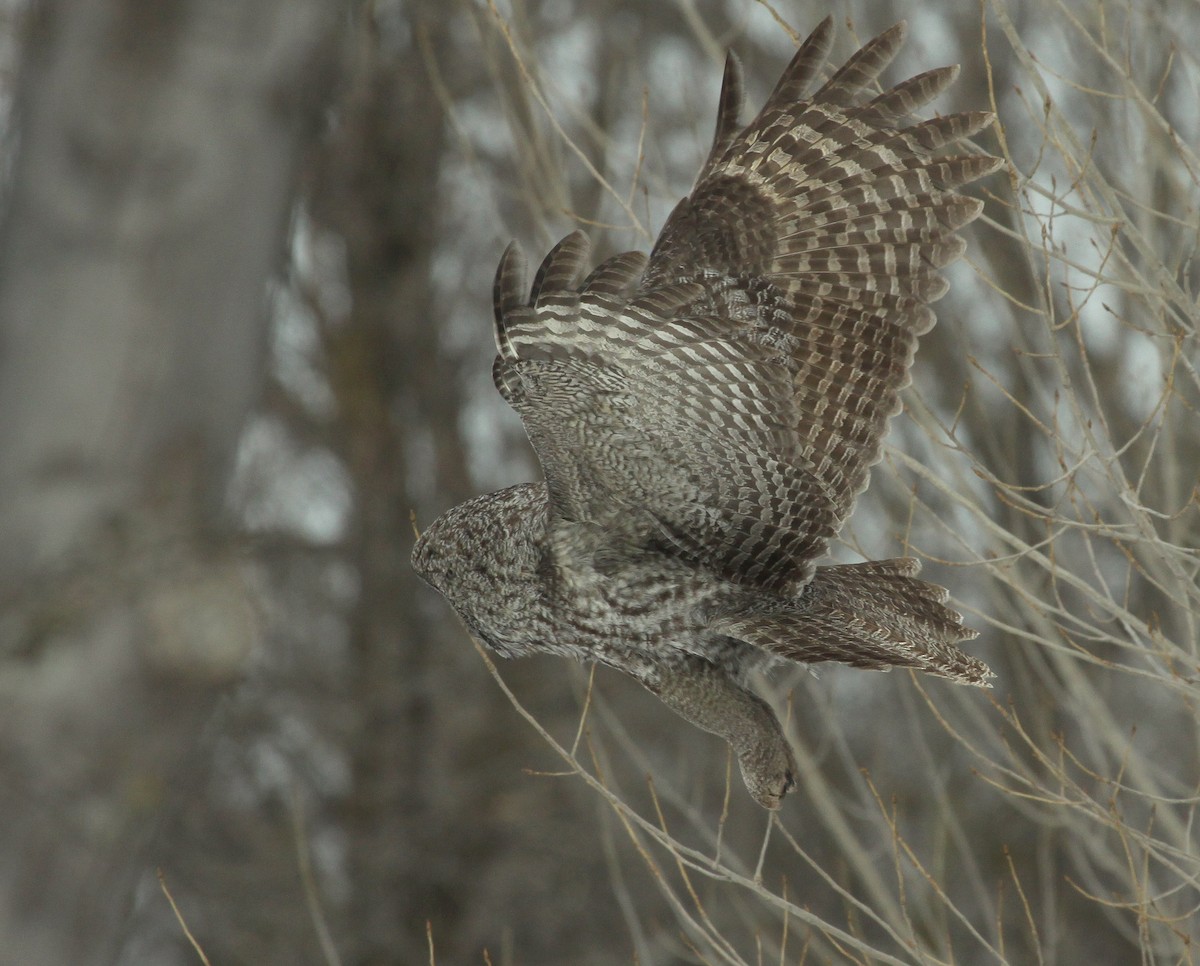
246,260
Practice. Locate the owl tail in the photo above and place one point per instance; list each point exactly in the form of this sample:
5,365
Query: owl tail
874,615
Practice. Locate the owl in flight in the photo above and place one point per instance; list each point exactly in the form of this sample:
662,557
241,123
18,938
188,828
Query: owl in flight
706,417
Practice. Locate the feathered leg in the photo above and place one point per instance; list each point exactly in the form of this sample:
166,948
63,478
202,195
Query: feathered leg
709,698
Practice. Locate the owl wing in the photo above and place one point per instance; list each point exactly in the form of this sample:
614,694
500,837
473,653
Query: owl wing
730,394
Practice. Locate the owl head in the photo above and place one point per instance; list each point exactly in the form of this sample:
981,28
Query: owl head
483,556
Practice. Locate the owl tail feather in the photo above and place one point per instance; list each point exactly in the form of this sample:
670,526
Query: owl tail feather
874,615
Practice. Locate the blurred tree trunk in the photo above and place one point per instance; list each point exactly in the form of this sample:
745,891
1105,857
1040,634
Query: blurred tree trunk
377,189
150,199
440,827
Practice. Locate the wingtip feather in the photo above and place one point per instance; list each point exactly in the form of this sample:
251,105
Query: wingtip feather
802,69
730,103
508,290
562,268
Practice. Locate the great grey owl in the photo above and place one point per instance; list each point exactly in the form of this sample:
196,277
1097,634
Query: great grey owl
706,417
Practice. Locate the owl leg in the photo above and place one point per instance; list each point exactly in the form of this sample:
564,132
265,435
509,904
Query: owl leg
709,698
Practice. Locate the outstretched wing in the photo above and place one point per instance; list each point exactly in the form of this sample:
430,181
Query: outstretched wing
734,393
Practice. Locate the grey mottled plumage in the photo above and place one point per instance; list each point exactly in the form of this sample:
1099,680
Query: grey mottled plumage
706,417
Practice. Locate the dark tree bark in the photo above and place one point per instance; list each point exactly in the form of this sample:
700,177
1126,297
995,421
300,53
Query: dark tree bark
376,189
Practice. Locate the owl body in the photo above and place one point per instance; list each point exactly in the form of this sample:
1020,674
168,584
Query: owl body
528,588
706,416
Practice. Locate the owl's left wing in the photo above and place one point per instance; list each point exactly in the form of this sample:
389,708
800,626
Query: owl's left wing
733,392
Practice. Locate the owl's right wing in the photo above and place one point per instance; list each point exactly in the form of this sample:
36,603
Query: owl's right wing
732,393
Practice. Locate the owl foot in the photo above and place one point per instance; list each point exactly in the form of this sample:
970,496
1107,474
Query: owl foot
708,697
769,770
